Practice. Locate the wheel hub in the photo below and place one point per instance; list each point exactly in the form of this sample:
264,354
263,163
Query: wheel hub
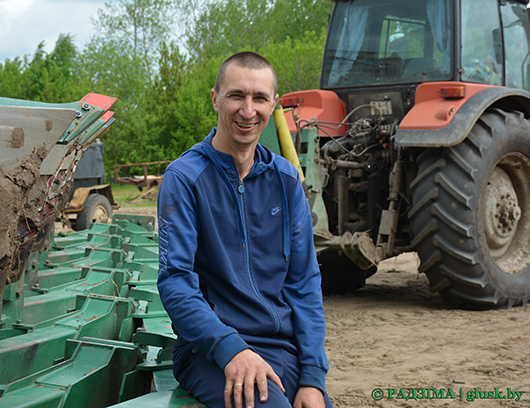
100,215
502,212
507,213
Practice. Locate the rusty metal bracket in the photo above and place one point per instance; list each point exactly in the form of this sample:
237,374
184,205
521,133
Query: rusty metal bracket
389,218
358,246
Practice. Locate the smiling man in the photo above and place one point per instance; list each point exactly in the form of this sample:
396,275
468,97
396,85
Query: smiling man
238,273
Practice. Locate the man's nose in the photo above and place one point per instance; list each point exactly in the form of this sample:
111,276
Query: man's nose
248,110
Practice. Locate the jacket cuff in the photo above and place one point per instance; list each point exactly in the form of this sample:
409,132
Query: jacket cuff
227,348
313,376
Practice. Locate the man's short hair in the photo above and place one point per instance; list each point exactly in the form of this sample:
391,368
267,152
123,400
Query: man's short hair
245,59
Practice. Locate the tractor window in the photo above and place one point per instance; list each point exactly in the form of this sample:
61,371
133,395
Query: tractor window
481,53
402,38
388,42
515,22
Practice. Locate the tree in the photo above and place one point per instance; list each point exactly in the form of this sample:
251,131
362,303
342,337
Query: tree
297,62
226,26
59,72
11,78
197,22
46,77
142,24
121,60
181,103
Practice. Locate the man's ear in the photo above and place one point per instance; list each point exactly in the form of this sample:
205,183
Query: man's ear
275,103
213,95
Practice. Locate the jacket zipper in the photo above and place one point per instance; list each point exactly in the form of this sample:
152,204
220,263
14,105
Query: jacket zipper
241,190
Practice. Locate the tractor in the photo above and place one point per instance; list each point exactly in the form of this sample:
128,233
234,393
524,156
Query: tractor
419,140
91,200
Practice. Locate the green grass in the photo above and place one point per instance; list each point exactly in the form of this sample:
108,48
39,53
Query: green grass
129,195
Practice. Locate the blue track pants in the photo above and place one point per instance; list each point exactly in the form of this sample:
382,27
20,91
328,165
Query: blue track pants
206,381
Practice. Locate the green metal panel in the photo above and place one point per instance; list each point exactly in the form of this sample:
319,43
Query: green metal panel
312,170
163,399
90,331
41,397
90,378
269,137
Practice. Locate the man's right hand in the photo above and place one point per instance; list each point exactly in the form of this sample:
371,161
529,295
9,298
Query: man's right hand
245,370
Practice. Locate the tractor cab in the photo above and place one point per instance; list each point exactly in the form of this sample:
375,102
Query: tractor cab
399,44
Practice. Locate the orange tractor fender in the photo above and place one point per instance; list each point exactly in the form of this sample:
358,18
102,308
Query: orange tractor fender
319,105
445,112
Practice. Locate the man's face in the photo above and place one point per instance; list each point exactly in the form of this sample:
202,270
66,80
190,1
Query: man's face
245,102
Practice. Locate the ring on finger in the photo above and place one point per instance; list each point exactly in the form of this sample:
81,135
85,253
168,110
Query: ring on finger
238,384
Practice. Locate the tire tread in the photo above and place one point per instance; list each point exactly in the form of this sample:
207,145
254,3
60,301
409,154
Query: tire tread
445,236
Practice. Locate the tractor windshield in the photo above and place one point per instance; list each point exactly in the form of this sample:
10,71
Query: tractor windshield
388,42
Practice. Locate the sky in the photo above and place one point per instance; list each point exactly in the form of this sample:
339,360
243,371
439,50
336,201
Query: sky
25,23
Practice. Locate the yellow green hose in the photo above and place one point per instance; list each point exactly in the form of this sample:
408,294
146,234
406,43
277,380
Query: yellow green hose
286,142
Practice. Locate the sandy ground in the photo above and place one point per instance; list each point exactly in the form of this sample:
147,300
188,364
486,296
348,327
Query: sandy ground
393,335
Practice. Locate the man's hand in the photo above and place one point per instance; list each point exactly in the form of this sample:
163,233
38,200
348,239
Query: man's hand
244,371
309,397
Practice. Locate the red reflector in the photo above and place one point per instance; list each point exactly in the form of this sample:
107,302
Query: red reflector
289,102
452,92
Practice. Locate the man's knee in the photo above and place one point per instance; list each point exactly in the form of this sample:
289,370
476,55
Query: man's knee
276,398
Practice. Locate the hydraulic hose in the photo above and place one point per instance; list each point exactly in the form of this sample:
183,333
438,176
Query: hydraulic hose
286,141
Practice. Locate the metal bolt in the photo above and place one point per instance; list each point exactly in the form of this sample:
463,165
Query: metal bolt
85,106
78,114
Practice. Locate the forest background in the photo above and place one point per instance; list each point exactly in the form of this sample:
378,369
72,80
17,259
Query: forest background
160,59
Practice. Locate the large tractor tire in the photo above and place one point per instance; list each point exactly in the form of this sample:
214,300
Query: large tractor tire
471,214
97,209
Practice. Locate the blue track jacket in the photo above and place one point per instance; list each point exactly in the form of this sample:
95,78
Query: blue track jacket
237,261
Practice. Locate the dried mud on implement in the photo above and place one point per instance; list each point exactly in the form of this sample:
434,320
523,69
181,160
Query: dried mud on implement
81,321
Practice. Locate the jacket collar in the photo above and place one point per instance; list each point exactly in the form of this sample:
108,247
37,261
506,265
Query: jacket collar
264,157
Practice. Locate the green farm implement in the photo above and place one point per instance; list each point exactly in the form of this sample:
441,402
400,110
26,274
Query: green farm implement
81,323
84,325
